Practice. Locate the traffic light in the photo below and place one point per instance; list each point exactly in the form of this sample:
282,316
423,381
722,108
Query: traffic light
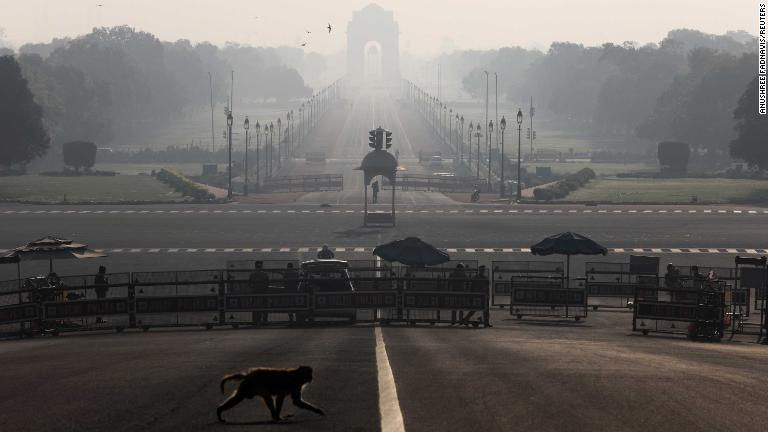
372,138
389,138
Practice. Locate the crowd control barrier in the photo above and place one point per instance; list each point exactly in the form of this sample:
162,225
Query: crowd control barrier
694,313
546,297
613,285
503,272
209,298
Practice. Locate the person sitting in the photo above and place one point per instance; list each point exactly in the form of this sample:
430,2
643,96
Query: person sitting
325,253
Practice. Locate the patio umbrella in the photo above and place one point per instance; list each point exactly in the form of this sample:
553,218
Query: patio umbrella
568,244
411,251
51,248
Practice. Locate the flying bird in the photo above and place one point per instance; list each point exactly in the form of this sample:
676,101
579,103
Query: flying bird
329,28
308,32
304,44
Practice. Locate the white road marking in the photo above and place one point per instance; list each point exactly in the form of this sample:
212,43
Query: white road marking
389,404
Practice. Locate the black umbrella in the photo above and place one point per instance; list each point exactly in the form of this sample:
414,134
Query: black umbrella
411,251
568,244
50,248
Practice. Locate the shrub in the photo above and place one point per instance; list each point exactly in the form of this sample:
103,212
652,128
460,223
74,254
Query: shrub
79,154
183,185
562,188
673,157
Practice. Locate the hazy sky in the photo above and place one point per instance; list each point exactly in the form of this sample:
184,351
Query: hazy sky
426,26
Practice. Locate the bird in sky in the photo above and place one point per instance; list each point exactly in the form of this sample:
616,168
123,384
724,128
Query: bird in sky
304,44
308,32
329,28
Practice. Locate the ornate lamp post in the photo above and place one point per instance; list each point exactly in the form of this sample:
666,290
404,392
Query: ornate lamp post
450,128
519,128
267,164
478,134
271,147
461,137
258,157
502,126
229,137
279,143
469,152
490,174
246,126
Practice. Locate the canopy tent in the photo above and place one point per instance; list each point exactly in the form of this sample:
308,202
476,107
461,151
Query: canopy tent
411,251
568,243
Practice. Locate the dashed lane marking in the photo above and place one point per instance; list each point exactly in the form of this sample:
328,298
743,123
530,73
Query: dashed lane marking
440,211
368,249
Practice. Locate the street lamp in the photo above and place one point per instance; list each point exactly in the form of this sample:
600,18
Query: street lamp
279,143
246,126
502,126
266,152
258,156
469,152
229,137
478,134
461,143
490,134
450,128
291,150
272,146
519,128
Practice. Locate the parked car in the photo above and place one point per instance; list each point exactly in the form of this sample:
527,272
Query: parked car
326,276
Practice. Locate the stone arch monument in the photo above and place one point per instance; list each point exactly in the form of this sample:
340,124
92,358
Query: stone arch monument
373,24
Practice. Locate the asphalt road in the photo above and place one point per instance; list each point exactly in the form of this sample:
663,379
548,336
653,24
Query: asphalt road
518,375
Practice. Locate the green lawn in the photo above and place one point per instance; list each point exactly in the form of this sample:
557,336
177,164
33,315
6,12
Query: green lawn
85,188
672,190
147,168
605,169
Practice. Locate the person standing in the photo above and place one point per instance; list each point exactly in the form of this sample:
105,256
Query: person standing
325,253
375,190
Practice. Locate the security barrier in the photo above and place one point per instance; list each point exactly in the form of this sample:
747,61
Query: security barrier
503,272
696,314
304,183
209,298
613,285
546,297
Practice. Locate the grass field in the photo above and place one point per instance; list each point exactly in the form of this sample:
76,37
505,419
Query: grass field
604,169
147,168
672,190
85,188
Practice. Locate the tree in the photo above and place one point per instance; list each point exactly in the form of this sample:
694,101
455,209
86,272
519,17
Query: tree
79,154
752,128
22,135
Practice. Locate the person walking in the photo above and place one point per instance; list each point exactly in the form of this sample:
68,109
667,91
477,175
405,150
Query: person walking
375,190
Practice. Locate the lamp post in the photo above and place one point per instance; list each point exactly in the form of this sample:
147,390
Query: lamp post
469,152
257,128
279,143
502,126
272,147
461,137
450,128
229,143
478,134
519,128
246,126
444,114
301,125
490,134
267,164
291,150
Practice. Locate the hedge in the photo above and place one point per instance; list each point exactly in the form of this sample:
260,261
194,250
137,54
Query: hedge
184,185
562,188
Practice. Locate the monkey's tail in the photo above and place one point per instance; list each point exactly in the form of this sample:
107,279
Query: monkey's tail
235,376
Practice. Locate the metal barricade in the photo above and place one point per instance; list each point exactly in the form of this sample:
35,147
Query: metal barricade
679,311
546,297
502,273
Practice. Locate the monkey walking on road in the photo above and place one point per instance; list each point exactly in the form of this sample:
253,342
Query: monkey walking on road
269,382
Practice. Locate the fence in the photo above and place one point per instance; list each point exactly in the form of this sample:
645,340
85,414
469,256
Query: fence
420,182
211,298
503,271
542,296
662,310
613,285
304,183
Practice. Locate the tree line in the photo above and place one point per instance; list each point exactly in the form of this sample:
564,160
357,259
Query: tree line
114,84
684,88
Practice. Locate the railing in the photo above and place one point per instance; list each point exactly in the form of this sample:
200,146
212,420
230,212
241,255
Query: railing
211,298
304,183
422,182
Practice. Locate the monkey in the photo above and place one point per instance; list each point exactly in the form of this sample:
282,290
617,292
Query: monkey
269,382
